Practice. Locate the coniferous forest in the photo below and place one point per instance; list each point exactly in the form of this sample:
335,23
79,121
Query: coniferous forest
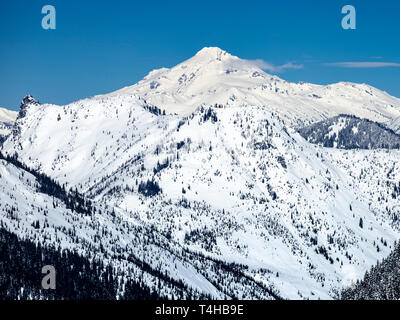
72,199
382,282
77,278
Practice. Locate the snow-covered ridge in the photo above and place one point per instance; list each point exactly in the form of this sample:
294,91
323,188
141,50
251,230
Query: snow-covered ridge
82,133
230,182
213,76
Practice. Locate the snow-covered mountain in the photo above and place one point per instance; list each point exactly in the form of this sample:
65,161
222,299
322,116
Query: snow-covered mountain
196,181
350,132
224,191
213,76
7,118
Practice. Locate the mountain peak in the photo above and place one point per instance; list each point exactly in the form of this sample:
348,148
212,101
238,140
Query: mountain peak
25,103
210,50
28,99
213,76
213,53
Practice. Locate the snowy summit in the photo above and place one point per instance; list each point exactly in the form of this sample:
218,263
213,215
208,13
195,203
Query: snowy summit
213,76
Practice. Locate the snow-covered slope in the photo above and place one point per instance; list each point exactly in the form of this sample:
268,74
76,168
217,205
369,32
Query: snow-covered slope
92,136
7,115
7,118
232,183
119,239
213,76
395,125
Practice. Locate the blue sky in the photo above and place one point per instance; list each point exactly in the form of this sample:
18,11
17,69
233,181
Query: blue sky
100,46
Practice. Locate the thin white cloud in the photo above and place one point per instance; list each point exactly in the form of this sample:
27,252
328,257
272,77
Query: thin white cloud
274,68
363,64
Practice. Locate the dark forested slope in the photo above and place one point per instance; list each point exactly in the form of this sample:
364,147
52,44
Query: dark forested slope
382,282
77,277
350,132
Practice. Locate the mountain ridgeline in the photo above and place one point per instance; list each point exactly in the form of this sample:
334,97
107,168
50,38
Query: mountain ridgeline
350,132
203,202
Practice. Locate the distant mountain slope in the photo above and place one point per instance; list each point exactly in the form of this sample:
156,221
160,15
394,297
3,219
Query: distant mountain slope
7,118
350,132
228,195
213,76
7,115
395,125
381,282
